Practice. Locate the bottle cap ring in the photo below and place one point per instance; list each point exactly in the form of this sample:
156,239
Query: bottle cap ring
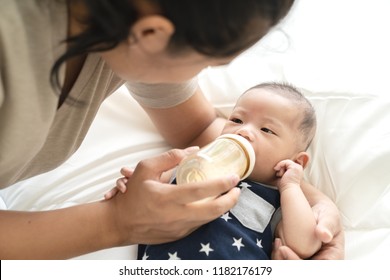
248,149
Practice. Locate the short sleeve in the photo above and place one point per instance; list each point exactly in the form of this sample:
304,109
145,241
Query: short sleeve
162,95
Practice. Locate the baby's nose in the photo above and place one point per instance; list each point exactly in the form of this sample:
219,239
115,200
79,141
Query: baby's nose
246,132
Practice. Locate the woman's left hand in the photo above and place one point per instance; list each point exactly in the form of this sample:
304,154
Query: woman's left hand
329,230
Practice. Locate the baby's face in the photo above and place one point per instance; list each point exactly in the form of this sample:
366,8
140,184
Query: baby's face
270,122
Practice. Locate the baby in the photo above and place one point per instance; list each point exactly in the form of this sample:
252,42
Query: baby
280,124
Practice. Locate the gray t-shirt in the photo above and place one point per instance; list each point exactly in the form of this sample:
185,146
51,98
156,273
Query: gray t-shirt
35,137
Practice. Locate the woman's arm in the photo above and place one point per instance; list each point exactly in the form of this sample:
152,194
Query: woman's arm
56,234
193,122
149,212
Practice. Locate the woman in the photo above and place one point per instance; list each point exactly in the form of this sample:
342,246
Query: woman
51,90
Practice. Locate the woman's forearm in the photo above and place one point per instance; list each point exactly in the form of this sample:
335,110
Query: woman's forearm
194,122
56,234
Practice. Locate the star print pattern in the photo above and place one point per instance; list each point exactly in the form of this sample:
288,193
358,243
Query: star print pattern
224,238
238,243
244,185
226,216
145,256
206,248
173,256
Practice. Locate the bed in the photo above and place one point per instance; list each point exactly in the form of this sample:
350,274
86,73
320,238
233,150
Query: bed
337,52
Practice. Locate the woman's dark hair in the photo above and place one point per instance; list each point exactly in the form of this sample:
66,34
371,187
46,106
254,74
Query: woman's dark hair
216,28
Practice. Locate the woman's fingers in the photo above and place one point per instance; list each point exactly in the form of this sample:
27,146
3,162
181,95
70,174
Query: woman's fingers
153,212
154,167
197,191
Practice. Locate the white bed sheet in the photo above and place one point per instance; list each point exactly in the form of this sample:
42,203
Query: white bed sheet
337,51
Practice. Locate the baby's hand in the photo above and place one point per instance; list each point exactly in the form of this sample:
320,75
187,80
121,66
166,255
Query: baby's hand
289,172
120,183
120,187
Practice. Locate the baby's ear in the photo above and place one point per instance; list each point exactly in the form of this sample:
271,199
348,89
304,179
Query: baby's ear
302,159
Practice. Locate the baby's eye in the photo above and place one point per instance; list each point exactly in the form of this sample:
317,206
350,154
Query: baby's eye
235,120
267,130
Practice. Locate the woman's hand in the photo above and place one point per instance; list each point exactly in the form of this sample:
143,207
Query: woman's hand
329,230
151,211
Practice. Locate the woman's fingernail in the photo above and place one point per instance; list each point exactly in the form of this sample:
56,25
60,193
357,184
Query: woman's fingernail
328,236
277,243
284,254
191,150
235,179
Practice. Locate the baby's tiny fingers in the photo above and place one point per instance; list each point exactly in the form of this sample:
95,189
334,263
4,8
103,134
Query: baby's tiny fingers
121,184
127,172
110,194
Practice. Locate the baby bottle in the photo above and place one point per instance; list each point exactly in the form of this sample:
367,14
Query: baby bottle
228,154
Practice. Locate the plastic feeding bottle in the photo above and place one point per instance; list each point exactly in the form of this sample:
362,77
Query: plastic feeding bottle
228,154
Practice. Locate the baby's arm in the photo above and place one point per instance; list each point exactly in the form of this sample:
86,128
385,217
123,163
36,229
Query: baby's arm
297,227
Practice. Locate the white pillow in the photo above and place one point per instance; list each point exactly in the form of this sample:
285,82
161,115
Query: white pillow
351,156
